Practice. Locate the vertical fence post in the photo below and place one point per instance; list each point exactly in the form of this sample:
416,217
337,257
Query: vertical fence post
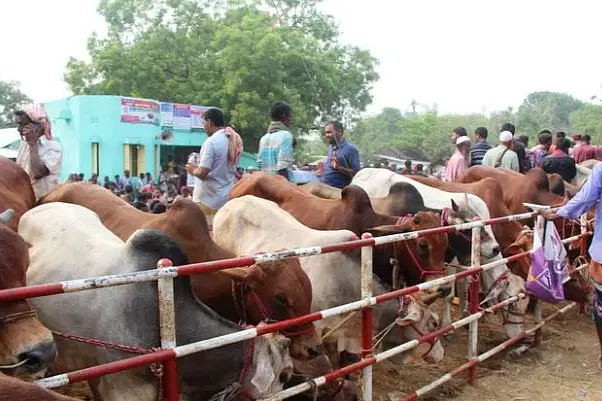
367,318
167,325
540,223
473,328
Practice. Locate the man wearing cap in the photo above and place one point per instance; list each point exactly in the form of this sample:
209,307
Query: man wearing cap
458,163
502,155
39,155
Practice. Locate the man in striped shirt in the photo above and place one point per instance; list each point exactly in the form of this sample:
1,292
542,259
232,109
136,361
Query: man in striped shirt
477,152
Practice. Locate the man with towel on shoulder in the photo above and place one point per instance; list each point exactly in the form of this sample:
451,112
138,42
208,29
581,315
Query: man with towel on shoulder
39,155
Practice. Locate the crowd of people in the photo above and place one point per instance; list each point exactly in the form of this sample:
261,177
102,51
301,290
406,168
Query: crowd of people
554,153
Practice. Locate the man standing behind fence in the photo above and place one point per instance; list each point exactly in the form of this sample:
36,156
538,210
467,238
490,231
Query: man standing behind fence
588,196
343,159
276,146
215,172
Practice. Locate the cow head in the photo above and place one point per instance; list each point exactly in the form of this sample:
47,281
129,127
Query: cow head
278,290
523,243
271,368
463,212
415,319
424,255
26,347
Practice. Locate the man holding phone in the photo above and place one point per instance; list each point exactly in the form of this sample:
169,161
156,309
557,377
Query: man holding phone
343,159
39,155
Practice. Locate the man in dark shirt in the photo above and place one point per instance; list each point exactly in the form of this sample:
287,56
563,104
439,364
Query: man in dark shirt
519,148
560,162
478,150
343,159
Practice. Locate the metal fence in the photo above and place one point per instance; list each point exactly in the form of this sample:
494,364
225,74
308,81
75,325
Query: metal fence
165,272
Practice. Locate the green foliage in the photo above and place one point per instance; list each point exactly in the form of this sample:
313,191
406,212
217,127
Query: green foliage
430,133
588,120
238,55
10,98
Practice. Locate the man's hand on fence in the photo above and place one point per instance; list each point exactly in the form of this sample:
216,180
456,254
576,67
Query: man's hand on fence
549,215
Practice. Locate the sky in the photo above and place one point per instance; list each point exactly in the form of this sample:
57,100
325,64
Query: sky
462,55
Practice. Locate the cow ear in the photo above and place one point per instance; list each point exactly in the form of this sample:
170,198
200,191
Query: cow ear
251,276
519,246
388,230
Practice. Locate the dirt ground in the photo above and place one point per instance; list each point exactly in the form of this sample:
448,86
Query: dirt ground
563,368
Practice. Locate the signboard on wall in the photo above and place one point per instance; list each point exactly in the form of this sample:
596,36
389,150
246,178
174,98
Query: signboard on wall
181,116
139,111
167,114
197,116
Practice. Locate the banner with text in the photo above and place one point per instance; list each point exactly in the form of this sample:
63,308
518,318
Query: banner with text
167,114
181,116
139,111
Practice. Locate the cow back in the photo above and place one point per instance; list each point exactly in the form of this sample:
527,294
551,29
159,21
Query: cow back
16,191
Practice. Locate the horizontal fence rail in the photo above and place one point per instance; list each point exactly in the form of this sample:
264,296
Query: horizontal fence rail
165,273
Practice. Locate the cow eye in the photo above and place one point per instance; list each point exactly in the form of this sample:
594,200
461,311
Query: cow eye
282,299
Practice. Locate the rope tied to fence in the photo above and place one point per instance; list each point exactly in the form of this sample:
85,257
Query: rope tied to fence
156,368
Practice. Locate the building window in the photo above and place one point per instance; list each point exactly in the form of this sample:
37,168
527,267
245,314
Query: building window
95,159
134,159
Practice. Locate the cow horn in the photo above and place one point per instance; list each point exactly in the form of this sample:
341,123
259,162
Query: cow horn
7,216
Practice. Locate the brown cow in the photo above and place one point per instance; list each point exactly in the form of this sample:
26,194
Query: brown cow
533,187
26,347
354,212
282,287
510,235
17,193
402,199
17,390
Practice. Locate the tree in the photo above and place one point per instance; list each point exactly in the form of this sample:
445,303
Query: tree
588,120
10,98
238,55
546,110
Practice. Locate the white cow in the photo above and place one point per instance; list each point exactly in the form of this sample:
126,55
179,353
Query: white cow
583,172
376,182
69,242
248,225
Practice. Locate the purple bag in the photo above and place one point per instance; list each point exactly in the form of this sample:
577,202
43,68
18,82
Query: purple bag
549,266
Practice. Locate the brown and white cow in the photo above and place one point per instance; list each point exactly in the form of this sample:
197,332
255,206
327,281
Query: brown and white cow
335,276
513,236
27,348
282,288
354,212
533,187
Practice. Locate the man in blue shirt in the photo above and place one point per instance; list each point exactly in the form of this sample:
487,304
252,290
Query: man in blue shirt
343,159
589,196
477,152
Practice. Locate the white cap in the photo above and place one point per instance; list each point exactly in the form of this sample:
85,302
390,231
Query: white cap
506,136
462,139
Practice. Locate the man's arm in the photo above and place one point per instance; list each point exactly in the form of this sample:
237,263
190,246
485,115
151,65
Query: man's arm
285,152
586,198
205,162
38,168
514,165
354,164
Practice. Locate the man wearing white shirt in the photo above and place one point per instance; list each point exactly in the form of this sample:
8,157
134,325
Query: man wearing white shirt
215,175
39,155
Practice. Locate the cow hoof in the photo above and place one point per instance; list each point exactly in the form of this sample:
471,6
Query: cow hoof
518,352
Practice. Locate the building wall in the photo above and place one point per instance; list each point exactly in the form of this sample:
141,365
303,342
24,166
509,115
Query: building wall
80,121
